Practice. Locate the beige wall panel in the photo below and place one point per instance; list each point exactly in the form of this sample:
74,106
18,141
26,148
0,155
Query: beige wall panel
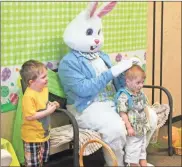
171,51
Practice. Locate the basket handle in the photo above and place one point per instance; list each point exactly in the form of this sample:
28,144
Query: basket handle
104,145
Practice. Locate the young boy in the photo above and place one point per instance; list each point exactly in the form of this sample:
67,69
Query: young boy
36,110
131,103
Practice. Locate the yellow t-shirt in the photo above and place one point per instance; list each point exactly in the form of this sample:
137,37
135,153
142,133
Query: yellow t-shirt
32,102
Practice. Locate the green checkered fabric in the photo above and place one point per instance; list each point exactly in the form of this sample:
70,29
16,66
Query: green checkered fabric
33,30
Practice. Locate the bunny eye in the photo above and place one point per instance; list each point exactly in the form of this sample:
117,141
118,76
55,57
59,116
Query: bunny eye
89,31
99,32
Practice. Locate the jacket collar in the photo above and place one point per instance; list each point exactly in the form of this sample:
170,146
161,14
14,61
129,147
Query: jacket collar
102,55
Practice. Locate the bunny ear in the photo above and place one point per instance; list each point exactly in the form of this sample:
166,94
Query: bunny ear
104,9
91,8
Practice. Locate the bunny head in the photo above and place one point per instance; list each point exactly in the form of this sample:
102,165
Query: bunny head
84,33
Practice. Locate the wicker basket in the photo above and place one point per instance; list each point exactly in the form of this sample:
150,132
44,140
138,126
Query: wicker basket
115,164
178,150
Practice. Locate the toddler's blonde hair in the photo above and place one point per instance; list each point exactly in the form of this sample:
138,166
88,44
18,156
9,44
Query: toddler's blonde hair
134,72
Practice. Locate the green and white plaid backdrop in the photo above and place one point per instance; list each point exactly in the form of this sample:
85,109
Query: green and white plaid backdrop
33,30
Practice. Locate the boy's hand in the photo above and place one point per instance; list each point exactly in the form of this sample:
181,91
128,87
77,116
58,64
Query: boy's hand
51,107
131,131
57,104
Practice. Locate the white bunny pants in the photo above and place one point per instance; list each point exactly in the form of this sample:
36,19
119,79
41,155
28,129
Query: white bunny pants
102,117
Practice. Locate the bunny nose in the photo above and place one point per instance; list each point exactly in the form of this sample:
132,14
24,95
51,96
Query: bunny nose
96,41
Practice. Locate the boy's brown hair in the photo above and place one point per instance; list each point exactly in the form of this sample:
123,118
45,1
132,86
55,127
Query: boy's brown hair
134,72
30,70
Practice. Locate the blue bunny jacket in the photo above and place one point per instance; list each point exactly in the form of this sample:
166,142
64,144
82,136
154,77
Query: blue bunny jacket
79,79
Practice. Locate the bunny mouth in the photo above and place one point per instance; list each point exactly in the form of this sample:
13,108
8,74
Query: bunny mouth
93,47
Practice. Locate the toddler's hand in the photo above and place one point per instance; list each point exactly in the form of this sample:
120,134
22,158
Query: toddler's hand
131,131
